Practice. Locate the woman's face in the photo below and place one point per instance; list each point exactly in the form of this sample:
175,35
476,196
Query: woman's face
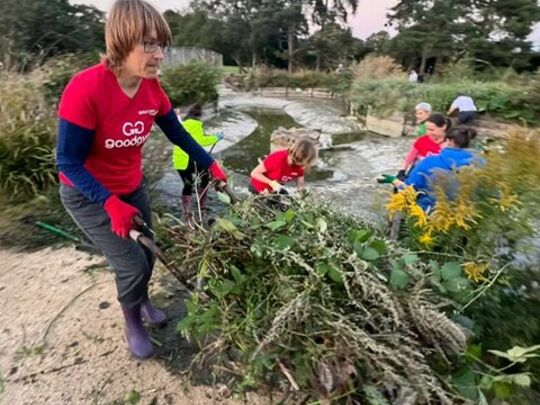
436,133
421,115
144,60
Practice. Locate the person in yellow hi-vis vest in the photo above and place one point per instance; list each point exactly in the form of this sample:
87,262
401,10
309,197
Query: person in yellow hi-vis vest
186,167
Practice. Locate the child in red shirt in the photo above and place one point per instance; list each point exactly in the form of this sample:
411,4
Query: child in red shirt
282,166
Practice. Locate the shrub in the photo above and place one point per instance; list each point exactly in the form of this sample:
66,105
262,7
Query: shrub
27,135
187,84
486,218
497,98
315,299
59,71
265,77
378,67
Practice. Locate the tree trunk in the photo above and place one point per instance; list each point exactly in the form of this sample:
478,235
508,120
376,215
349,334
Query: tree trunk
290,46
323,24
425,54
239,64
253,59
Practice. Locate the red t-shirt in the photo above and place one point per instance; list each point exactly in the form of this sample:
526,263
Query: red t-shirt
278,169
426,146
94,100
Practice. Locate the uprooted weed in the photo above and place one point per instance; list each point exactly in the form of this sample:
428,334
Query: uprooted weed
304,298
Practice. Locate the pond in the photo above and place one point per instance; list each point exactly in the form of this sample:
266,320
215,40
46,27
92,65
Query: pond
344,175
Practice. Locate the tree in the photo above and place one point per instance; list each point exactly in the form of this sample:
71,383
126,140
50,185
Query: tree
266,29
329,11
333,46
34,30
451,29
378,42
426,29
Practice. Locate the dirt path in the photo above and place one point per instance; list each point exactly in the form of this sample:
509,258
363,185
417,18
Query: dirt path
62,341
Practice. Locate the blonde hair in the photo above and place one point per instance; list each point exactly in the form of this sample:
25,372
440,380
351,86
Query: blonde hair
129,21
304,151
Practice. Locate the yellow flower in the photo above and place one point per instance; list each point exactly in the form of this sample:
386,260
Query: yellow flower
475,271
416,212
465,212
426,239
410,194
506,200
397,203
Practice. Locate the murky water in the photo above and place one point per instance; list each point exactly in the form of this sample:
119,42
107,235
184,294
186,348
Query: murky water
344,174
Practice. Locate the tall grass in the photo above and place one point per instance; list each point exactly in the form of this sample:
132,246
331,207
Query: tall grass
27,135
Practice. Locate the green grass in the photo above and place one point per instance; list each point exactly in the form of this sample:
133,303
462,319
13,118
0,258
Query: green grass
17,222
229,69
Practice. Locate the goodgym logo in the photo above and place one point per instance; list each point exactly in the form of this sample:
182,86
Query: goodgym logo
129,129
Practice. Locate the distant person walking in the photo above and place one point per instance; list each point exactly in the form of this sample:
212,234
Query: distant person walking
466,108
413,76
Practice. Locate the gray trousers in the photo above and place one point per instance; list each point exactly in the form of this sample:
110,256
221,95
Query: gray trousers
131,262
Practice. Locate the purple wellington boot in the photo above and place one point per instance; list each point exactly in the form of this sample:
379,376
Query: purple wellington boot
152,315
138,341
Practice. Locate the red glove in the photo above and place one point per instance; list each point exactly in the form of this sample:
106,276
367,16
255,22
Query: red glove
121,215
217,172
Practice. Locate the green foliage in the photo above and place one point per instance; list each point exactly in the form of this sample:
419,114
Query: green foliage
187,84
513,101
59,71
303,80
488,226
35,30
27,136
308,295
465,26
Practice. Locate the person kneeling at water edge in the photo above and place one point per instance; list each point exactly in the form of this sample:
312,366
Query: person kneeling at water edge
430,144
187,168
451,158
282,166
106,115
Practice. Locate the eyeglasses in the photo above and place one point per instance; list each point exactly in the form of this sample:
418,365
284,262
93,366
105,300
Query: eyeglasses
151,47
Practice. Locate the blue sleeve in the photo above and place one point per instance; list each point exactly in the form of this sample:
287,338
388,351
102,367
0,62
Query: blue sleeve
72,149
418,176
176,133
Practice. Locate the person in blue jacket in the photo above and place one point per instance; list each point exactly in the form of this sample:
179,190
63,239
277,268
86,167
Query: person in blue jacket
454,155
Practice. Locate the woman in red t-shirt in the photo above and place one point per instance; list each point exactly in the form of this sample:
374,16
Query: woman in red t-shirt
282,166
106,114
430,144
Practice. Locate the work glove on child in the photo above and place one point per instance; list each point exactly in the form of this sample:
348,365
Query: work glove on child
386,179
121,215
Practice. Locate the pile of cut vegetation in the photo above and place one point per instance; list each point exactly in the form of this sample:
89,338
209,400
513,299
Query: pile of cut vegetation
317,304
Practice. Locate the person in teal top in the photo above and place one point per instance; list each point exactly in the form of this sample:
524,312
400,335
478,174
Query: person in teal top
422,112
187,168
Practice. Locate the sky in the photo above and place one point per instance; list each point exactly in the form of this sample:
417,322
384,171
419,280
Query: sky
370,17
